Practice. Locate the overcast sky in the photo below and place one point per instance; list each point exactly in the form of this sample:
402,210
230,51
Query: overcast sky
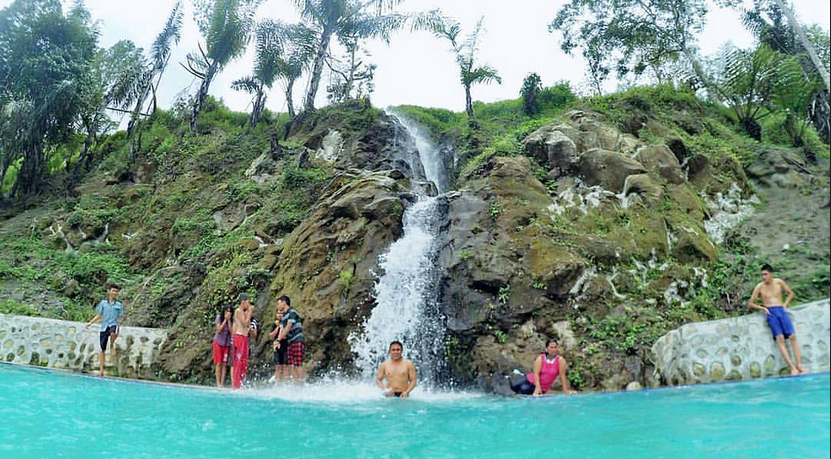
415,68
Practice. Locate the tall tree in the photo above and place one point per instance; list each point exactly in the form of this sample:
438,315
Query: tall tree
357,19
470,73
806,43
226,27
632,35
159,57
44,61
299,48
530,92
767,21
116,80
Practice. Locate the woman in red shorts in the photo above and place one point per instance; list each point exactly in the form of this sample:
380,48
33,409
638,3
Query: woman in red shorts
222,345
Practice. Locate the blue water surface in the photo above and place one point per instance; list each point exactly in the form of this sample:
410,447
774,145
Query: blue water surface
49,414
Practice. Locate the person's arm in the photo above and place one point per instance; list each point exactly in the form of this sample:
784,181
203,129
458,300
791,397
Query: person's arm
379,378
537,370
222,324
274,333
752,301
284,331
411,376
93,320
564,377
788,291
119,321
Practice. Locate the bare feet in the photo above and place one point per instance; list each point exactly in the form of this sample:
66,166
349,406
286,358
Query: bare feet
100,373
801,369
794,372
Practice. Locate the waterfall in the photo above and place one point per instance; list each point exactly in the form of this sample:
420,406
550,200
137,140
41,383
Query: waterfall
406,294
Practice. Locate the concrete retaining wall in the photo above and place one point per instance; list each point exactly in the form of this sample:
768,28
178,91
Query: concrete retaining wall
741,347
63,344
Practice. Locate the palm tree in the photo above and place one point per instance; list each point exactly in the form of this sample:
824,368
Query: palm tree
469,73
159,57
349,18
226,26
298,51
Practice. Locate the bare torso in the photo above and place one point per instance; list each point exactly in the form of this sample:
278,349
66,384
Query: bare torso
242,322
771,295
397,374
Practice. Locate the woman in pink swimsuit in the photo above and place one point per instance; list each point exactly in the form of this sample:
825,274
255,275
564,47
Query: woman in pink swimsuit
546,369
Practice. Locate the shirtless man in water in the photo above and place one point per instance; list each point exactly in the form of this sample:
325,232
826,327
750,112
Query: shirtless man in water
242,326
770,290
399,372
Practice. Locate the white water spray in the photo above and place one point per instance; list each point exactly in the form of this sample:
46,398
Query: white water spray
406,294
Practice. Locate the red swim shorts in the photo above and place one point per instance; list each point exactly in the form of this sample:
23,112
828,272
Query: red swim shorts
221,353
295,354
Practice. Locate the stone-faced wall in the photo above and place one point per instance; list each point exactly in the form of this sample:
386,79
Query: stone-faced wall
68,345
741,347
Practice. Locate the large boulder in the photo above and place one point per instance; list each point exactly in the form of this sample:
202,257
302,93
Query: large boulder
608,169
552,147
661,160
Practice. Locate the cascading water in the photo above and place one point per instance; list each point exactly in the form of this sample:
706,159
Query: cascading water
406,294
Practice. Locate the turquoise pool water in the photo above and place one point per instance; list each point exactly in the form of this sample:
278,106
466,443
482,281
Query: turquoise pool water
49,414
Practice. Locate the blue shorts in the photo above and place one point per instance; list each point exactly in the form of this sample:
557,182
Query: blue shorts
779,322
104,335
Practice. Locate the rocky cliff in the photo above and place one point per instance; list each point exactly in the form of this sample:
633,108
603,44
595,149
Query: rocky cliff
604,231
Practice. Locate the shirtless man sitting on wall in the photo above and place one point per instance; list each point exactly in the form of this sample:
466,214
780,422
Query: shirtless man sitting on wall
770,290
399,373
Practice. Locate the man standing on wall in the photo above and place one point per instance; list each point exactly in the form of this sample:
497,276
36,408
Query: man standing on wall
111,313
770,290
291,333
242,326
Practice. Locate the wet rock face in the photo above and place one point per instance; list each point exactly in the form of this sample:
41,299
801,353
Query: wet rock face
327,265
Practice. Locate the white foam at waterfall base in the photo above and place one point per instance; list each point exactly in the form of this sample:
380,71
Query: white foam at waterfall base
337,390
401,295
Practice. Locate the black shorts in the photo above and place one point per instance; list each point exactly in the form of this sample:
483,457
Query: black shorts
281,354
104,336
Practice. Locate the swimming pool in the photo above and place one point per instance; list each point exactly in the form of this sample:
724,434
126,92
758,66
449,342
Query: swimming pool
59,414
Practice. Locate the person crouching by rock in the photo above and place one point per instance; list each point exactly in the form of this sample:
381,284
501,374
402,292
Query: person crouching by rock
547,367
291,330
222,344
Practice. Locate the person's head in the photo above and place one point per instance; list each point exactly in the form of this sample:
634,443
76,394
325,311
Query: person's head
396,350
112,291
244,302
227,311
767,273
283,303
552,347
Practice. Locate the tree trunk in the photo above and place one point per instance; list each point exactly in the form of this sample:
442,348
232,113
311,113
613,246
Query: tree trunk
317,68
70,188
259,105
201,95
289,102
803,40
28,180
468,104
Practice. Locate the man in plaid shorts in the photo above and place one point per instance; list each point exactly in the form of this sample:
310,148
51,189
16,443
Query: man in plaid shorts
291,330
